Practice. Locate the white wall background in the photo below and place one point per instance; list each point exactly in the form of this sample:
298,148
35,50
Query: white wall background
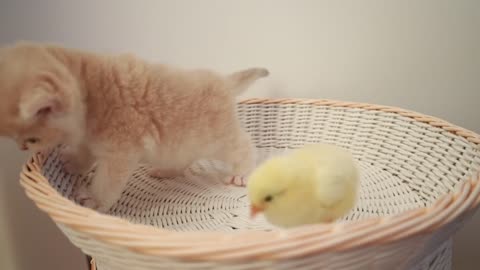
420,55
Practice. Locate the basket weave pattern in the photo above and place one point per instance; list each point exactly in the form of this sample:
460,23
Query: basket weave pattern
419,184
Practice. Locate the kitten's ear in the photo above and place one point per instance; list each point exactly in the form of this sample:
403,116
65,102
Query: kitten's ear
241,80
38,103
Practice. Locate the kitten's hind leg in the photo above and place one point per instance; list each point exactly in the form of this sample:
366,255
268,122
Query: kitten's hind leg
239,154
228,165
237,180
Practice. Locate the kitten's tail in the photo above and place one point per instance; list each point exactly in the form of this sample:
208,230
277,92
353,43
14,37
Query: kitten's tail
241,80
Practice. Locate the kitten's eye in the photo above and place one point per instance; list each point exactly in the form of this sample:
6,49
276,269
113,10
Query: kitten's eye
268,198
32,140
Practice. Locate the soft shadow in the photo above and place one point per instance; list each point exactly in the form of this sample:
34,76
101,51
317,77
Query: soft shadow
37,242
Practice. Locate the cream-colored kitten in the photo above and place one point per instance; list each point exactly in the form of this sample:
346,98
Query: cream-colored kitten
118,111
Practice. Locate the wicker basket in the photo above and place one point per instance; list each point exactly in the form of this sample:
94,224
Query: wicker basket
419,185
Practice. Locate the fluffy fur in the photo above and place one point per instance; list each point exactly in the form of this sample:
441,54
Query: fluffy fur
117,110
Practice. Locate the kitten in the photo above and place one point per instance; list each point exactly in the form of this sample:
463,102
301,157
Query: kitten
117,111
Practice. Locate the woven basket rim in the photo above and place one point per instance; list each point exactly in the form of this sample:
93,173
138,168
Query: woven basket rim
247,245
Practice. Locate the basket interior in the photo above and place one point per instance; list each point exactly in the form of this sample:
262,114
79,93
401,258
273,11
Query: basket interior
404,164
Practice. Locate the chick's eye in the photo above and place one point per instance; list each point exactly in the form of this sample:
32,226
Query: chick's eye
268,198
32,140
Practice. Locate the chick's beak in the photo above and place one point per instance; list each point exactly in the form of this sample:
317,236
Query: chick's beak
254,210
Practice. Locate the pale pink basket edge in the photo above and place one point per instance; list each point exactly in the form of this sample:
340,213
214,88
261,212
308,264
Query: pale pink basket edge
269,245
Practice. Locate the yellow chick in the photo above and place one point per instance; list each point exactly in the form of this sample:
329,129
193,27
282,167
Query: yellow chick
314,184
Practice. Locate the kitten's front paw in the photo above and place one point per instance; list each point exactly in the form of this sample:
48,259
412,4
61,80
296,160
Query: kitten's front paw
89,202
69,162
74,164
85,199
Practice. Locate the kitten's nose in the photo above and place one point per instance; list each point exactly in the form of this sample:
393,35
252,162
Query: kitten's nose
24,147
